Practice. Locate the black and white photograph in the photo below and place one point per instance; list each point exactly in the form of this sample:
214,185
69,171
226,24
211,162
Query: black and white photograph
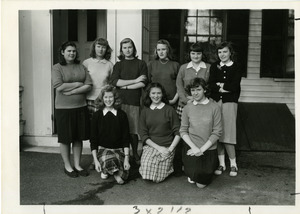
146,107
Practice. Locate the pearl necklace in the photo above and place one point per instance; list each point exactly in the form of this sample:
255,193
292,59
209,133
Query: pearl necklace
164,62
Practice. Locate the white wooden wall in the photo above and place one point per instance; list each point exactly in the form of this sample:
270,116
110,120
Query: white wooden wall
264,90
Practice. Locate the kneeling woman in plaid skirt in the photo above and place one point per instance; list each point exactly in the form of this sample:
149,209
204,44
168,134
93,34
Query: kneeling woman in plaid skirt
159,131
110,133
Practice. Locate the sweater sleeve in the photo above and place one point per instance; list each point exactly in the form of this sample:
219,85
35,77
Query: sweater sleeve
88,79
143,130
115,74
180,84
175,122
184,122
234,84
56,76
207,74
212,80
150,71
144,71
217,125
125,130
94,137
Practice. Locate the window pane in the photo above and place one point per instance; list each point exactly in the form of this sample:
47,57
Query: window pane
192,12
203,12
290,47
215,40
191,26
290,63
203,26
291,27
190,39
202,39
216,26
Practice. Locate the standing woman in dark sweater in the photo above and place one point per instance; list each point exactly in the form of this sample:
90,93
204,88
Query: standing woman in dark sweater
130,76
224,81
159,131
110,132
71,82
164,70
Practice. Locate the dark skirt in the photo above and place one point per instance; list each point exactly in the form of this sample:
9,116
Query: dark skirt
72,124
200,169
112,161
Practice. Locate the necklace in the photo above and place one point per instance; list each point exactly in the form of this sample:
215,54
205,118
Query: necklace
163,62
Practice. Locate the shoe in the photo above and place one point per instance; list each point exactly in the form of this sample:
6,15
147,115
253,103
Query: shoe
92,166
119,179
233,171
190,181
104,176
200,185
72,174
220,170
83,172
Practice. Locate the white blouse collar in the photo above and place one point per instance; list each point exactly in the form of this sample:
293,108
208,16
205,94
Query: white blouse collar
204,102
227,64
160,106
201,65
105,111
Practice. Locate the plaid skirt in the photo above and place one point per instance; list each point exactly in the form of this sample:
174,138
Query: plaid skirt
155,167
112,161
179,111
91,107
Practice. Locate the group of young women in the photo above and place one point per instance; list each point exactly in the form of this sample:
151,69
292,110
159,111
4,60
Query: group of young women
164,105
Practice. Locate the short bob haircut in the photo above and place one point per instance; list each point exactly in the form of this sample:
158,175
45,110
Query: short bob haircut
103,42
195,83
147,100
124,41
62,48
108,88
169,49
197,47
229,45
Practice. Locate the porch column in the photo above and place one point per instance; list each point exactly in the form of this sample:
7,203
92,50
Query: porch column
124,24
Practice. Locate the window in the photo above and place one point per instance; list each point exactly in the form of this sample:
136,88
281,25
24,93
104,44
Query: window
206,27
277,49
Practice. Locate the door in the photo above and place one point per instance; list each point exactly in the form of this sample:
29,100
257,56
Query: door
79,26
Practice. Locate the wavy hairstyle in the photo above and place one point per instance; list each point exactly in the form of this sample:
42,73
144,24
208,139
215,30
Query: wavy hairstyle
169,49
229,45
147,100
108,88
103,42
62,48
124,41
195,83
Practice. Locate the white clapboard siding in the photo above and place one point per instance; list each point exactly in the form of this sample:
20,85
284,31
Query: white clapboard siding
255,88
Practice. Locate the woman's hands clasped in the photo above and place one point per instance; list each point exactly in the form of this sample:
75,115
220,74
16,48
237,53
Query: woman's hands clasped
194,152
